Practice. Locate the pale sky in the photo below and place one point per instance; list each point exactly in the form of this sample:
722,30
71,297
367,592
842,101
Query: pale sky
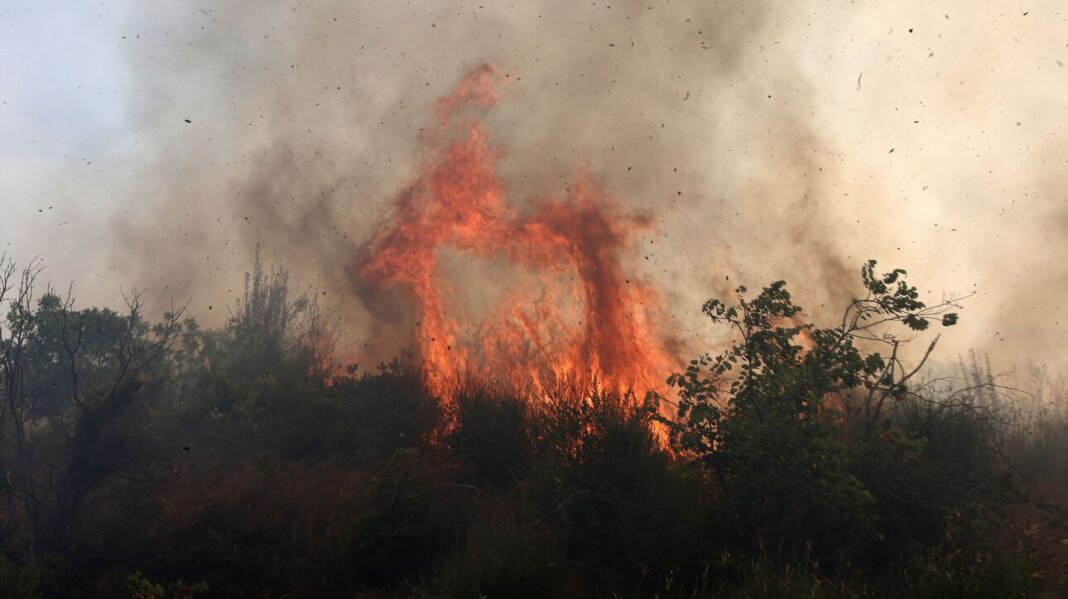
63,87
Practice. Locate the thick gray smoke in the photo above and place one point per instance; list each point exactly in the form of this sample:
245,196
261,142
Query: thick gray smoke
768,139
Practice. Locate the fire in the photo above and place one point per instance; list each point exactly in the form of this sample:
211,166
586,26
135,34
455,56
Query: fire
572,314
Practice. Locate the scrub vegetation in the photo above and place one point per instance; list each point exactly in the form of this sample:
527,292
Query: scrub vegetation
161,459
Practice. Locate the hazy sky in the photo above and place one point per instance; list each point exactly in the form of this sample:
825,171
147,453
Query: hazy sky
770,140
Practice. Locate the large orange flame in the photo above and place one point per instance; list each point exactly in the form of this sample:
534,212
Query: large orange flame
574,315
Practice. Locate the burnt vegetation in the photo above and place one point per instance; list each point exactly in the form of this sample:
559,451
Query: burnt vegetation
161,459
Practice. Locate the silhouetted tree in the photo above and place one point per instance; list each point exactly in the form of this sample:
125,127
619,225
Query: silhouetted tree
55,457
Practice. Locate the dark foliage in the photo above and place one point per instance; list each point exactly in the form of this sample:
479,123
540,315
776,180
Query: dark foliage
166,460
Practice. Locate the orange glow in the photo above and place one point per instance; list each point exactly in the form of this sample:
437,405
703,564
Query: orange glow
574,309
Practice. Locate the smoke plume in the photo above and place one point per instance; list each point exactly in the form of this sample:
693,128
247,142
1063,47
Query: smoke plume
766,140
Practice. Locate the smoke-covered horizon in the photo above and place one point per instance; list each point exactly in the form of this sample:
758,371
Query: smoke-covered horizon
765,141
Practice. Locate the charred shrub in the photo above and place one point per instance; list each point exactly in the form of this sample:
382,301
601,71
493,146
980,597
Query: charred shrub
401,532
502,557
491,432
381,412
375,413
621,504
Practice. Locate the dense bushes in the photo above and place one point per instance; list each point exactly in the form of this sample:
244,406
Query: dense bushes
801,462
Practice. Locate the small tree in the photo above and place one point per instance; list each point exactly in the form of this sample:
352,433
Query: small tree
53,460
274,327
766,416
